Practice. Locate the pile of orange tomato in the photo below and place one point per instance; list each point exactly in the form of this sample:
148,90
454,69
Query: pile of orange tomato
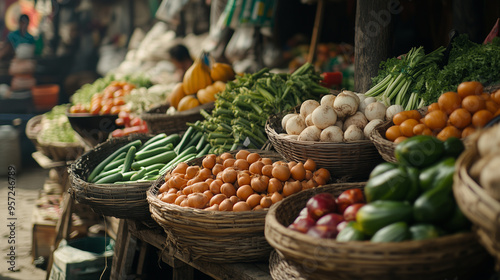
456,114
110,101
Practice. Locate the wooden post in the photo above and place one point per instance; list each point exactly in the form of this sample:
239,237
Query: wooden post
318,22
372,38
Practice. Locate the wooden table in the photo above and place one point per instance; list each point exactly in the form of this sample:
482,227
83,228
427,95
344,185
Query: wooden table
130,231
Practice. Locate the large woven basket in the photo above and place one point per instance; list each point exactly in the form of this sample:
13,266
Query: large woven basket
159,122
282,269
350,160
482,209
441,258
125,201
215,236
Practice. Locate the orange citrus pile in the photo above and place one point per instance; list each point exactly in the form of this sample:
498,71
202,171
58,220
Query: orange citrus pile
456,114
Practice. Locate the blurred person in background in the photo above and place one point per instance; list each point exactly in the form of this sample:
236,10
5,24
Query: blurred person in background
180,57
15,38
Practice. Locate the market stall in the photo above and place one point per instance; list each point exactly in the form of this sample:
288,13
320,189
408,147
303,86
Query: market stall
348,161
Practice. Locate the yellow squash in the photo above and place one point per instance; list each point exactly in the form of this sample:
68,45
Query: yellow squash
188,102
196,77
176,95
221,72
207,94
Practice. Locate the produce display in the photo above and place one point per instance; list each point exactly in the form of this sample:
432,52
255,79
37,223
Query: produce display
243,108
139,162
325,215
455,114
200,85
347,116
416,79
55,126
243,182
408,200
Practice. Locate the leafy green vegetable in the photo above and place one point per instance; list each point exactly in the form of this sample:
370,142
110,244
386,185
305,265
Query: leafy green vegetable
468,61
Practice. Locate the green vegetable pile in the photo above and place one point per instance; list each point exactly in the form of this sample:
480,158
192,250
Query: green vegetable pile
56,126
468,61
416,80
243,108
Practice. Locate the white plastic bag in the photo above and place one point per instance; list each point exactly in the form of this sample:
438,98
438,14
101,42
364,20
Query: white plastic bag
241,43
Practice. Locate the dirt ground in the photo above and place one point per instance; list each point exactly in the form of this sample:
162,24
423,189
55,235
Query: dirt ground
29,181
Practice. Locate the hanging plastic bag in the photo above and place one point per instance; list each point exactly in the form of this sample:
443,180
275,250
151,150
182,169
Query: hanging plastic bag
242,41
169,9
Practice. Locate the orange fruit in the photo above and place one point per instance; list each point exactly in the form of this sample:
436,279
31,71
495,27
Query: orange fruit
492,106
407,126
449,131
460,118
399,118
427,131
413,114
419,128
400,139
449,101
473,103
481,118
495,96
392,133
468,131
485,96
433,107
469,88
436,119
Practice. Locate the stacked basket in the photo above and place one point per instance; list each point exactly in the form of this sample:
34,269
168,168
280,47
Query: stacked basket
440,258
125,201
159,122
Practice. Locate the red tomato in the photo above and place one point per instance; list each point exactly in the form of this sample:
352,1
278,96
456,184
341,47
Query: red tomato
95,108
106,109
132,130
118,133
119,122
136,121
115,110
348,198
125,116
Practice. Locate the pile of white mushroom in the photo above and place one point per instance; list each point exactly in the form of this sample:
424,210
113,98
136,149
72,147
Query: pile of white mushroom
346,117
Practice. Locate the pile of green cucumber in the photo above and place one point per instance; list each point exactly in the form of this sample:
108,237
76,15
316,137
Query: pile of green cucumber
142,162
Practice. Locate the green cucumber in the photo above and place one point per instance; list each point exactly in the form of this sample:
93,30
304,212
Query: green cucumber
129,158
128,175
423,231
110,158
419,151
180,158
114,164
160,158
194,140
149,153
152,140
382,168
439,175
155,166
453,147
152,172
110,179
390,185
395,232
414,187
138,174
434,206
172,138
201,144
204,151
107,173
457,221
185,139
351,233
378,214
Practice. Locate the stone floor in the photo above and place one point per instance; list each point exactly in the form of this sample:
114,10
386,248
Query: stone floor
29,181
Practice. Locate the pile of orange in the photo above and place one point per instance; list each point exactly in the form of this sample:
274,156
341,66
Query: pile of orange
456,114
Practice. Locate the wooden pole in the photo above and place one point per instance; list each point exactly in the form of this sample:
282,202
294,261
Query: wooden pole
372,38
318,22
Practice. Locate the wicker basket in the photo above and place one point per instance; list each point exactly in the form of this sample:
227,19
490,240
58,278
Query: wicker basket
349,160
32,129
208,235
281,269
439,258
159,122
125,201
477,205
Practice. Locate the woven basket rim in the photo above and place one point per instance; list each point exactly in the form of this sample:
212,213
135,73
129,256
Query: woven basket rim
31,124
151,115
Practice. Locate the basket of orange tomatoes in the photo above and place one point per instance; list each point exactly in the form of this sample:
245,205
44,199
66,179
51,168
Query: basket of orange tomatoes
455,114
